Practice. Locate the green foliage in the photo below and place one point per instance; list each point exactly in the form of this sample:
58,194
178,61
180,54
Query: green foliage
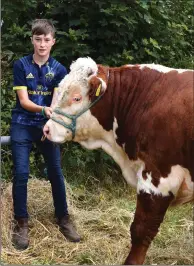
97,163
111,32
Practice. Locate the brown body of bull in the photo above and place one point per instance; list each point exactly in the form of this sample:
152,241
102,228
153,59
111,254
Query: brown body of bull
154,115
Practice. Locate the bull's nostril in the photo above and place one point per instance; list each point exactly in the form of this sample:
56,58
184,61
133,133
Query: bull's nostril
67,131
46,130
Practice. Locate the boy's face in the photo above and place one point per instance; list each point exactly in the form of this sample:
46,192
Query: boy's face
42,44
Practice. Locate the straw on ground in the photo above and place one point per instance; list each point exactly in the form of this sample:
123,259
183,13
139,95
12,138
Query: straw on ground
102,218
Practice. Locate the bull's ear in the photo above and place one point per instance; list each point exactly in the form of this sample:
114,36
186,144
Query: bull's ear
98,83
103,73
95,87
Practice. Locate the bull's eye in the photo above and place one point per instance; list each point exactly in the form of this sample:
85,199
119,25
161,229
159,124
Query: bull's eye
76,98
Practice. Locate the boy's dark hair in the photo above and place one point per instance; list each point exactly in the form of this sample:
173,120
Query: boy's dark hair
43,26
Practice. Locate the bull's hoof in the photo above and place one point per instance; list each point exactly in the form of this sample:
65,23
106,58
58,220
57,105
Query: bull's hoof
130,261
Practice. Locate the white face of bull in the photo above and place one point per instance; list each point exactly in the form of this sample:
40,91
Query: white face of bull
72,99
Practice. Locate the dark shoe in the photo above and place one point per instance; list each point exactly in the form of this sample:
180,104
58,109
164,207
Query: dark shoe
20,234
67,229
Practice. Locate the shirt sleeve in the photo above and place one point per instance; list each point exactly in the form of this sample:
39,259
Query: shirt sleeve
19,79
62,72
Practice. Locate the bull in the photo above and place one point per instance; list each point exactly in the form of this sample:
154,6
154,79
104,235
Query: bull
141,115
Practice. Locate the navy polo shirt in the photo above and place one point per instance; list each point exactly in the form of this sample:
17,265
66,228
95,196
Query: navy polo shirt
40,83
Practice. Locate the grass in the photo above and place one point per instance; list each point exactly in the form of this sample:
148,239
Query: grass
102,210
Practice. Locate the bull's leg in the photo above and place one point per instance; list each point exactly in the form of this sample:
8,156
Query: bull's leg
149,214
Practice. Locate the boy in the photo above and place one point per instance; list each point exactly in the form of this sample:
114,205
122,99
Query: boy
35,81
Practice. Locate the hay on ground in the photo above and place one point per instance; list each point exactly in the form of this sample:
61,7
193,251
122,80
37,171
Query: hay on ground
102,221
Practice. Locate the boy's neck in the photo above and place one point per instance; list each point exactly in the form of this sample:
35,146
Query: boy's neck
39,60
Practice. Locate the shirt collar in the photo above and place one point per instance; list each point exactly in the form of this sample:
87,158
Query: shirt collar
45,64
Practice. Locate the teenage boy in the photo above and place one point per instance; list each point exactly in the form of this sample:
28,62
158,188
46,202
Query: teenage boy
36,78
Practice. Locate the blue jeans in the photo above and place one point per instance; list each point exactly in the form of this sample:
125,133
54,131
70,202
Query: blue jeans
22,137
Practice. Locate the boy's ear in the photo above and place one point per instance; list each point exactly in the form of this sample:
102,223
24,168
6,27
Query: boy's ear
31,39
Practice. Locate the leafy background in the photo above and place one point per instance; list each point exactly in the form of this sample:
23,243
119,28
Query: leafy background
111,32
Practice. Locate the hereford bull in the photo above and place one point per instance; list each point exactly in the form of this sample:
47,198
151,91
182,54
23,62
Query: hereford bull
141,115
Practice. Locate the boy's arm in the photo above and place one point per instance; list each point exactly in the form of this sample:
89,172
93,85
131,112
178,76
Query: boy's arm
28,105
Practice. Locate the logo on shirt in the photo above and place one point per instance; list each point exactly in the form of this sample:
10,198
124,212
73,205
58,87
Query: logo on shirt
30,76
49,76
39,87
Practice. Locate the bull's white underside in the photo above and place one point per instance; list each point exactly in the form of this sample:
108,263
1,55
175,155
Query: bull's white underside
178,182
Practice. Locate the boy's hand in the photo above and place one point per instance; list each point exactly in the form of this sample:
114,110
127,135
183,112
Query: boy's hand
48,111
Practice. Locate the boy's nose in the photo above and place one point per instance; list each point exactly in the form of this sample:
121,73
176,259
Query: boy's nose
42,44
